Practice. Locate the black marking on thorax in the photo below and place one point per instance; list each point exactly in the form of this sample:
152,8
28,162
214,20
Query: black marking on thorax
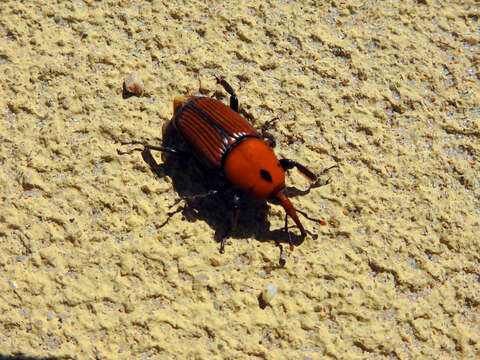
265,175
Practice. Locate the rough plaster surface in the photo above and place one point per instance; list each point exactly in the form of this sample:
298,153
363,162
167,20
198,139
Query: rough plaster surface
93,266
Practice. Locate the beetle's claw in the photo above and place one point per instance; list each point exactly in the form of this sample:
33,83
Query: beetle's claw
283,256
120,152
324,171
177,200
317,182
132,142
222,245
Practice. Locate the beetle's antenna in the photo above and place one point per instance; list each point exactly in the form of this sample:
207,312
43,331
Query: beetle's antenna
320,221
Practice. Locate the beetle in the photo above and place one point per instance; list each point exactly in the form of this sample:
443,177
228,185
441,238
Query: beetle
223,141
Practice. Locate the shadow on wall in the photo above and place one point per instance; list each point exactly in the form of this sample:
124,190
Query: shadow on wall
24,357
190,178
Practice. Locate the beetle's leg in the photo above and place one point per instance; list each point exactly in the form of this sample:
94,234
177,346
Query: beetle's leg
288,164
194,197
149,147
324,171
320,221
290,242
283,256
233,225
230,91
317,183
267,135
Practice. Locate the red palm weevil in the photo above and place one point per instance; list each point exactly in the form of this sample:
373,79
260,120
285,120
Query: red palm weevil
222,140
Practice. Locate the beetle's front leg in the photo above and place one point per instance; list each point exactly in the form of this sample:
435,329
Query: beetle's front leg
230,91
147,146
288,164
233,224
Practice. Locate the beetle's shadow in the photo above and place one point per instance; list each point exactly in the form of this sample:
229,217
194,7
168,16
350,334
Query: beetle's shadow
20,356
189,179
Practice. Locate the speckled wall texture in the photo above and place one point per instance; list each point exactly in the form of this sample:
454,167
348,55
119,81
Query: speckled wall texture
95,265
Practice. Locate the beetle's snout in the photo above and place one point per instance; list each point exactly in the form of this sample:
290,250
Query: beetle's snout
290,210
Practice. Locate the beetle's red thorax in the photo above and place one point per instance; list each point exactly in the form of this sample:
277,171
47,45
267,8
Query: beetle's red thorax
253,168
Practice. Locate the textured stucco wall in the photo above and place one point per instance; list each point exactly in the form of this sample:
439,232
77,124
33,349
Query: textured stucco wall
91,268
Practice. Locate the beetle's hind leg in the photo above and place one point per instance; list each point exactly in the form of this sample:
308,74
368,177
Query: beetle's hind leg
147,146
194,198
230,91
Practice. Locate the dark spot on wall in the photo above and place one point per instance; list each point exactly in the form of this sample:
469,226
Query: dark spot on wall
266,175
